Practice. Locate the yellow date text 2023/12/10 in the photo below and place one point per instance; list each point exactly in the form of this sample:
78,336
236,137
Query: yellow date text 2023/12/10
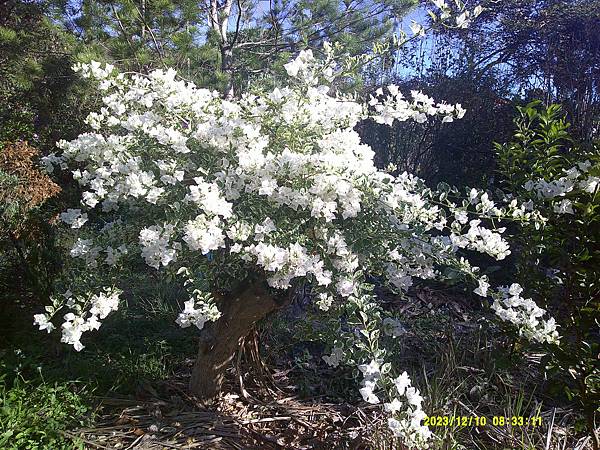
482,421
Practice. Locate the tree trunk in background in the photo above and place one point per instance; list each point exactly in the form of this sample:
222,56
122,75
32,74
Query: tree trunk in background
227,69
219,14
221,339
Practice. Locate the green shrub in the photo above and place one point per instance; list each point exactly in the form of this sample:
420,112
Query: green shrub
561,260
37,415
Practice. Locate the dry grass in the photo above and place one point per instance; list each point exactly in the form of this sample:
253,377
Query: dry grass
163,416
458,368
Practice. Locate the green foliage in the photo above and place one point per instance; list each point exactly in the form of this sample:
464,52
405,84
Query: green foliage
36,415
560,261
259,39
141,35
40,98
141,345
541,145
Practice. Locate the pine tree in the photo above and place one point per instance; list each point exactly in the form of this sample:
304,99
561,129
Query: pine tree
36,81
226,44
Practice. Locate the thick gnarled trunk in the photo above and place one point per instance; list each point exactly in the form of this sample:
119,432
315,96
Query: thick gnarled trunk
221,339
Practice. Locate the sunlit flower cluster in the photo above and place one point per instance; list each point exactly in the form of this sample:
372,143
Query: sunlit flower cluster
74,217
407,413
575,177
396,107
85,317
575,180
511,307
278,183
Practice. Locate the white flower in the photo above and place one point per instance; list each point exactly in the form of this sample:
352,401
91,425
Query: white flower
154,194
402,382
335,358
393,327
473,194
515,289
584,166
191,316
509,306
462,21
72,329
461,216
81,247
417,416
417,29
367,393
324,301
208,196
204,234
590,184
396,427
74,217
413,397
155,244
293,67
394,406
43,322
483,287
104,303
564,207
345,287
302,62
371,370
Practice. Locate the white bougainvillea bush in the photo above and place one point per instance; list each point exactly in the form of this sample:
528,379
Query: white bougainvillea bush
275,185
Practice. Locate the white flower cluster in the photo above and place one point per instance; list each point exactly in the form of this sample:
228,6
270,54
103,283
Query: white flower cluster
204,234
155,245
371,375
453,15
74,217
482,287
113,255
209,197
200,308
289,263
407,415
482,240
395,107
94,69
393,327
574,179
191,316
279,183
303,68
334,359
97,307
511,307
463,19
43,322
85,249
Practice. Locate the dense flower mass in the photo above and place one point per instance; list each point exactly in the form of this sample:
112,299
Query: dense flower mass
279,184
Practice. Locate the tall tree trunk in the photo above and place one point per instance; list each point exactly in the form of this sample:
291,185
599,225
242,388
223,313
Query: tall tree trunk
227,69
219,15
221,339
